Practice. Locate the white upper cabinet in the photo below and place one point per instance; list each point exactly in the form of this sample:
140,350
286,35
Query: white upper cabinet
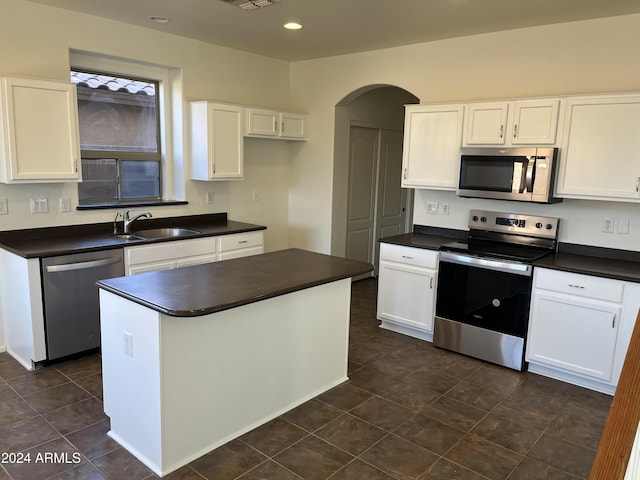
274,124
522,122
600,154
293,126
39,139
217,144
431,150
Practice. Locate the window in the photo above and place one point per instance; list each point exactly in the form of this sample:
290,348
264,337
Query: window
119,138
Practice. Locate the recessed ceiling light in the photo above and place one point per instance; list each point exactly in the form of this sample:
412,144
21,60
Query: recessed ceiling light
158,19
292,26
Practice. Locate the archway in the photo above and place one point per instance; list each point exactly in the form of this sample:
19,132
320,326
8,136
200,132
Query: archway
367,168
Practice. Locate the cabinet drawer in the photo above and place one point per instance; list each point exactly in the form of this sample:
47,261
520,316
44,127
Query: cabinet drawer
409,255
582,285
169,250
240,240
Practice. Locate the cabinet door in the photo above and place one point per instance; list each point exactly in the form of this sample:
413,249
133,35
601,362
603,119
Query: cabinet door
217,144
243,252
534,122
600,154
293,126
40,131
486,124
431,150
150,267
196,260
406,295
574,334
261,123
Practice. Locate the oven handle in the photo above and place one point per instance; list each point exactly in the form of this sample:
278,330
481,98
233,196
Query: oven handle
501,266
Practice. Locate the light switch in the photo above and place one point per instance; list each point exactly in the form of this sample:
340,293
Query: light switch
623,225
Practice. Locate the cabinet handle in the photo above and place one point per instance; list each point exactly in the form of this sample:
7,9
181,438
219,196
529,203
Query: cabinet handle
613,321
575,286
275,125
243,241
501,130
515,130
404,175
637,183
431,283
407,257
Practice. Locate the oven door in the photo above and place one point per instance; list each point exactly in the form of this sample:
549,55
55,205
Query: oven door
482,308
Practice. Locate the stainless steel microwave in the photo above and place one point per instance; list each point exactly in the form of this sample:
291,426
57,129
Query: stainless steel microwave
524,174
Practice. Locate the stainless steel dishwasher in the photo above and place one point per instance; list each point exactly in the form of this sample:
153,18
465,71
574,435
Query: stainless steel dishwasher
71,305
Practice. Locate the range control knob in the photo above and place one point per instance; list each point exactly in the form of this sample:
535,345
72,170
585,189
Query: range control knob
483,219
538,225
549,226
474,218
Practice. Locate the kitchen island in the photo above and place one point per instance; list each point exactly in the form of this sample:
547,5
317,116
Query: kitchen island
196,356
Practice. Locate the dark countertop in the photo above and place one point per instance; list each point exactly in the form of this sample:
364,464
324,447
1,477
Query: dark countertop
430,238
213,287
602,262
585,259
53,241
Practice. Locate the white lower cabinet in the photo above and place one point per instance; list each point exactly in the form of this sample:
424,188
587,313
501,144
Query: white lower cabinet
407,290
183,253
167,255
240,245
580,327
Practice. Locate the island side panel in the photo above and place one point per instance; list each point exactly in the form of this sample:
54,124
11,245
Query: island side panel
131,376
226,373
21,309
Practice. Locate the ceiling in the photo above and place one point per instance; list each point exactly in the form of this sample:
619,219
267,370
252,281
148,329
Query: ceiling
335,27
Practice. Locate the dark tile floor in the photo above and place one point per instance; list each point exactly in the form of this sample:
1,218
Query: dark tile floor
409,411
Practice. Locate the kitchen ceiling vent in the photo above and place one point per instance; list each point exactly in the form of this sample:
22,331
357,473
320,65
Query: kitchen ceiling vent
251,4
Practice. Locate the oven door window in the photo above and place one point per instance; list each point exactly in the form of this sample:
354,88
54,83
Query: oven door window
485,298
495,174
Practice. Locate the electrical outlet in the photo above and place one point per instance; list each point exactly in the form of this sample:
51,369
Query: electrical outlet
256,196
432,207
608,224
128,344
209,198
65,204
4,206
444,208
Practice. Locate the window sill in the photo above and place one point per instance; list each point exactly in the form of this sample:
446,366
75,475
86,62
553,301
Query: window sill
102,206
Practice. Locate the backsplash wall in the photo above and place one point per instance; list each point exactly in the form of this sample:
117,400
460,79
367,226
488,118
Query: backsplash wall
581,220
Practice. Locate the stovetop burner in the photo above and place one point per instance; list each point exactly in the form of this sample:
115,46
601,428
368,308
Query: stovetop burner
479,248
508,236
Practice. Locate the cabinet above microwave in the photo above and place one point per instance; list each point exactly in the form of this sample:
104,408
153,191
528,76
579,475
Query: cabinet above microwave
517,123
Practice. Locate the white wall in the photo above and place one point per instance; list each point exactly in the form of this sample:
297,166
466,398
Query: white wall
36,42
574,58
581,57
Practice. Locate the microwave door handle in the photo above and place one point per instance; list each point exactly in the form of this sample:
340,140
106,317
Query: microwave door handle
524,176
530,177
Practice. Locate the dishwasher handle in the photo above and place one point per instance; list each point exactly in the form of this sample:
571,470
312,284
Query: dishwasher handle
67,267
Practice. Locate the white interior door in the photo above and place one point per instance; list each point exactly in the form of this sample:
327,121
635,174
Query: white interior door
363,162
391,199
376,202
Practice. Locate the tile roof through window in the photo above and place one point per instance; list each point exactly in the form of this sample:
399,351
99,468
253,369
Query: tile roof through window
113,83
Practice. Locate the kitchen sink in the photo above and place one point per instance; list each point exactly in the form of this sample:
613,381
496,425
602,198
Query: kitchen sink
127,236
165,232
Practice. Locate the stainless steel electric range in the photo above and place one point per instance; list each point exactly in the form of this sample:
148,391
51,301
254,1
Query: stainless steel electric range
484,285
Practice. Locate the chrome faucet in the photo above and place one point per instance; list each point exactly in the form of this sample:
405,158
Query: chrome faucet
127,220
